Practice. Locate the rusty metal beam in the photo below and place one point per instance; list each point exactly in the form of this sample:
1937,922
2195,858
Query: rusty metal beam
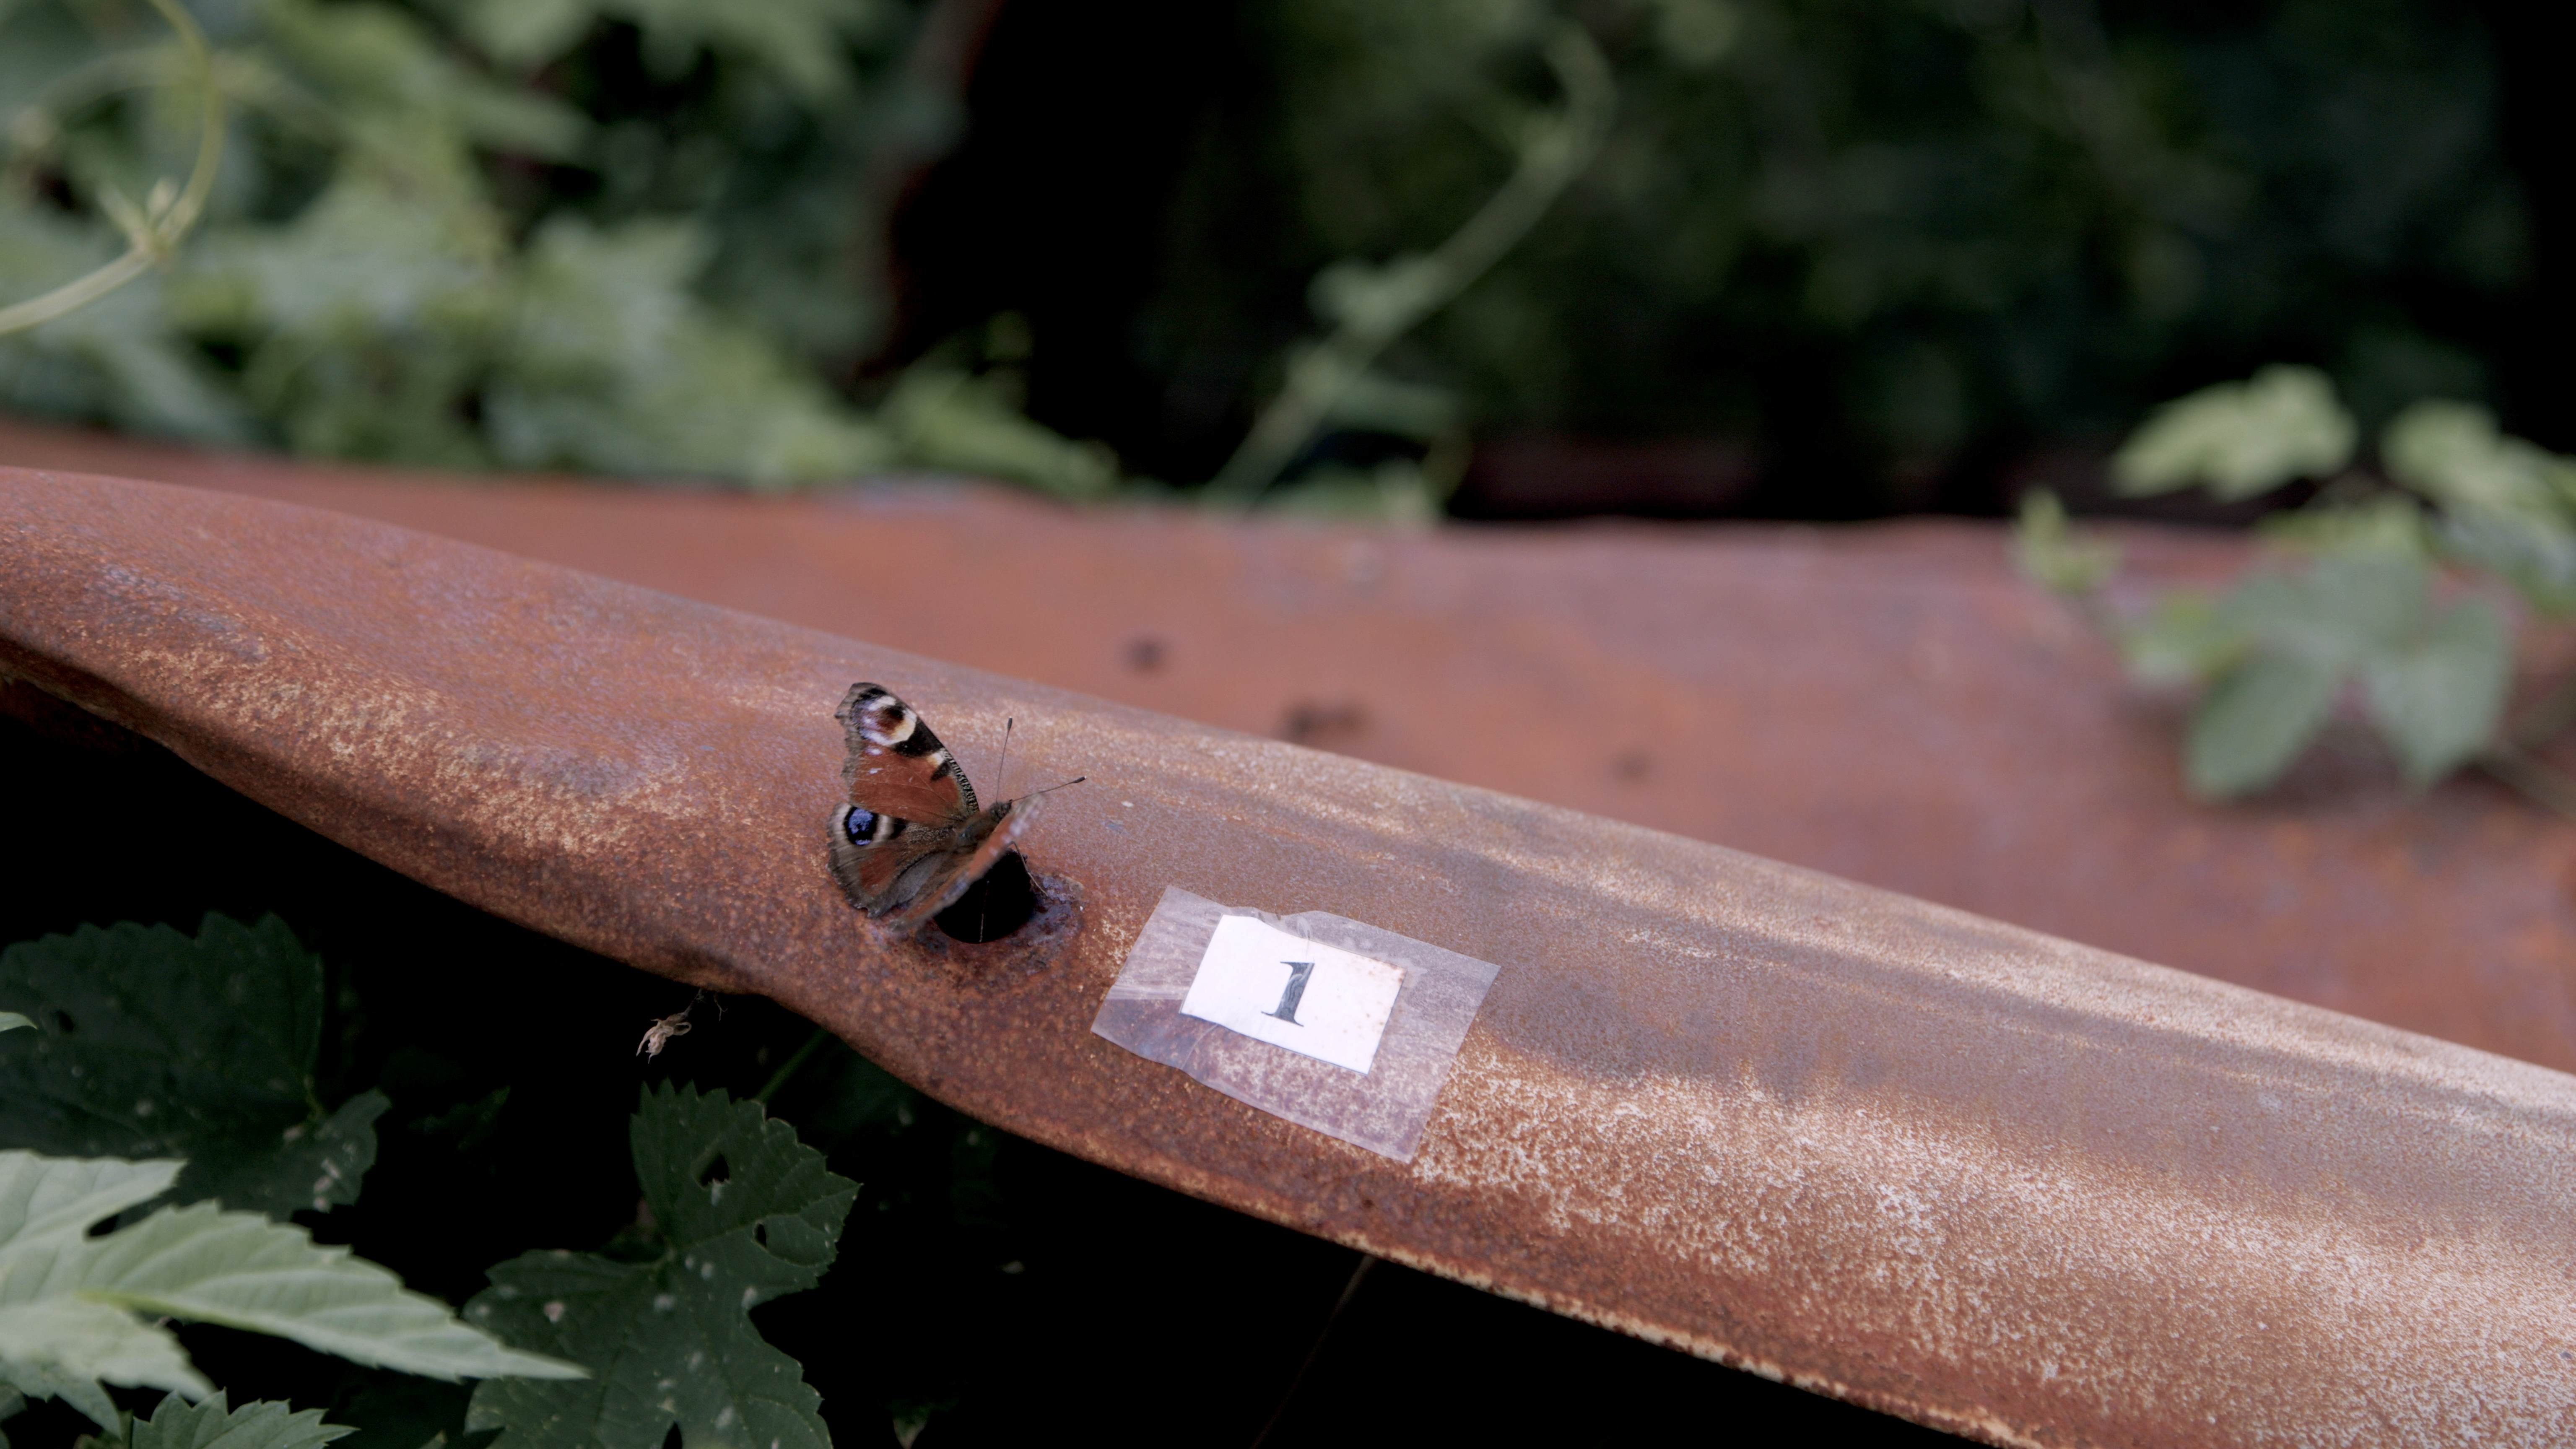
1983,1178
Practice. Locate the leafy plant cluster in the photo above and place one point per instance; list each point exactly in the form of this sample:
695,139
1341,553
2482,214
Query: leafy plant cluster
164,1122
591,234
1887,245
1877,241
2398,590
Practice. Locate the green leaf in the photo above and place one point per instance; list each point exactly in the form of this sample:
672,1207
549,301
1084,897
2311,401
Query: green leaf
746,1213
2506,503
178,1424
89,1396
952,420
2184,639
244,1271
2050,554
2343,608
2436,701
376,57
76,1310
149,1044
2240,438
2453,453
2255,720
52,1343
613,364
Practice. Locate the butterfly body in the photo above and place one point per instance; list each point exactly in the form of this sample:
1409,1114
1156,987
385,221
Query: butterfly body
913,836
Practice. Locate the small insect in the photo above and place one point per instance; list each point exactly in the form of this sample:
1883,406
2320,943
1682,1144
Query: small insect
913,836
659,1034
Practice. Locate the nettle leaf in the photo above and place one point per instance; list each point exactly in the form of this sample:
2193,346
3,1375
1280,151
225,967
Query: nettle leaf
178,1424
2255,720
76,1310
745,1213
149,1044
2240,438
2436,700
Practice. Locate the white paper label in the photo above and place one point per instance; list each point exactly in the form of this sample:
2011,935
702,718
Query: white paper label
1306,996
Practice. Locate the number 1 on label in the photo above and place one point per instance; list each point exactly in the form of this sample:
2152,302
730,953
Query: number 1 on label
1298,971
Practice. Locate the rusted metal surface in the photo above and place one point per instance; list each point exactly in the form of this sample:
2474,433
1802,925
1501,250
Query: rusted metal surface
1886,703
1983,1178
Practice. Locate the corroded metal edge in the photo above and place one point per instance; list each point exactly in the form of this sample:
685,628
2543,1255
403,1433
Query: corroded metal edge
1965,1173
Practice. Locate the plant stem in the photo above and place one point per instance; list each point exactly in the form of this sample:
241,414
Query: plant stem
1350,1290
1316,381
787,1068
152,243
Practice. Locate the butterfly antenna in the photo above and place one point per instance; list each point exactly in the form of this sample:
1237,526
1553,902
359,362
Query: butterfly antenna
1051,789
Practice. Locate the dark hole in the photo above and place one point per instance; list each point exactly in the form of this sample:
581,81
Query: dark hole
1145,653
715,1171
673,1440
1324,726
995,906
62,1022
760,1234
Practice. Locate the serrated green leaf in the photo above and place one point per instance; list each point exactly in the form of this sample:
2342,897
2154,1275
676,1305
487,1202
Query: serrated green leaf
149,1044
87,1395
178,1424
746,1213
2241,439
54,1343
244,1271
75,1310
2436,701
2255,720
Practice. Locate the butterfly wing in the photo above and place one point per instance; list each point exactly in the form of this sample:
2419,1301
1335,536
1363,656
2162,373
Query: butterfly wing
912,838
896,765
935,887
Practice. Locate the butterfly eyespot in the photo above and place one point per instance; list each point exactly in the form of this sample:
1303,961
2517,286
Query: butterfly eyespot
860,825
890,725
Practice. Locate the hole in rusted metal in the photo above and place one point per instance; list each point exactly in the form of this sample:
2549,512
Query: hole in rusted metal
994,906
1324,726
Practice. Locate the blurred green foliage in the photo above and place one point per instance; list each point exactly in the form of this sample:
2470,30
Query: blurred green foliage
630,236
2390,590
1901,242
1878,239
